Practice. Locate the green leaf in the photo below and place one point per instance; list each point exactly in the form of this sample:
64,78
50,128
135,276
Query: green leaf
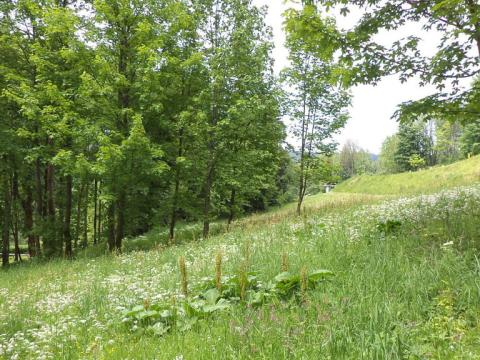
166,314
211,296
318,275
159,329
284,276
221,305
134,311
138,308
147,314
256,298
185,324
194,309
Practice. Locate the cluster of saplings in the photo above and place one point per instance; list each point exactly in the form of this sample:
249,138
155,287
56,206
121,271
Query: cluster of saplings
120,115
218,294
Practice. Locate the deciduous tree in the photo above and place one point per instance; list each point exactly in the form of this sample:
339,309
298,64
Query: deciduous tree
316,107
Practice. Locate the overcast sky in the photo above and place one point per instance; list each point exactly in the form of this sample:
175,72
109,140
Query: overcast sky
372,106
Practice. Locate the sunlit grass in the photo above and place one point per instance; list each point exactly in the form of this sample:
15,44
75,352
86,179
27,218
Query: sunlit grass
424,181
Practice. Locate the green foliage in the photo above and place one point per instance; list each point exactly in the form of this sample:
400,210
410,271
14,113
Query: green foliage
323,170
414,143
389,227
123,115
446,324
436,142
355,161
447,141
416,162
286,285
387,163
285,190
470,140
361,59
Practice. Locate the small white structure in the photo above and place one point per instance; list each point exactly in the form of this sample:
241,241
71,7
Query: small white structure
328,187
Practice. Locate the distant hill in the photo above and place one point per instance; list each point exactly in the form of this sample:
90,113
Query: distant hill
463,172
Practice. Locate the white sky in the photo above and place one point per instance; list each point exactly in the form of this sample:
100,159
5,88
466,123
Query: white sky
372,106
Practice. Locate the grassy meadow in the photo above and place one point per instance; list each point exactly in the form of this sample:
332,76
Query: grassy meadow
429,180
406,283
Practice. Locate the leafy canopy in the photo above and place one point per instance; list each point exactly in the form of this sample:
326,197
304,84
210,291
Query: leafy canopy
362,59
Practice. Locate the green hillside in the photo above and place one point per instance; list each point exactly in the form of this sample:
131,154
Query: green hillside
424,181
405,285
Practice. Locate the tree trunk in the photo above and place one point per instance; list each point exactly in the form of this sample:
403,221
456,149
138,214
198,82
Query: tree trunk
100,208
15,199
173,216
85,218
299,206
50,190
120,221
214,116
45,191
123,98
52,233
305,124
79,213
95,211
232,208
301,197
207,201
39,200
67,235
301,187
6,222
61,216
111,226
18,254
28,222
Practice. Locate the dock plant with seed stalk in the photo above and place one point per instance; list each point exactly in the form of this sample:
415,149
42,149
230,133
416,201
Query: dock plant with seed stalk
284,266
303,284
183,275
241,290
218,271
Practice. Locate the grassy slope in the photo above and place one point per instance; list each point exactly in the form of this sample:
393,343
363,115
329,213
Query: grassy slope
425,181
186,233
394,296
